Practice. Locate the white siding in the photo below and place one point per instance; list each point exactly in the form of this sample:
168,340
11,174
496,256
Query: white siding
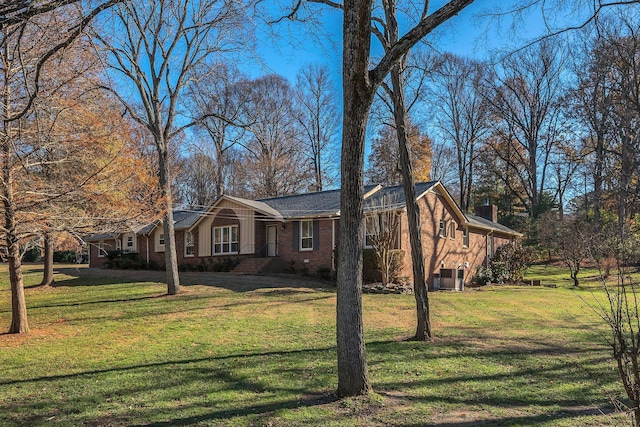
157,232
246,228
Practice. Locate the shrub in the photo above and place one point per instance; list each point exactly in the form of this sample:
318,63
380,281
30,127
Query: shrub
67,257
507,265
32,255
124,260
371,268
224,265
324,273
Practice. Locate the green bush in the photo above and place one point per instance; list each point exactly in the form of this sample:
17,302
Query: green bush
125,261
67,257
32,255
507,265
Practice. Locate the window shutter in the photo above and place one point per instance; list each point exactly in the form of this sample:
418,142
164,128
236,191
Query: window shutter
316,234
296,236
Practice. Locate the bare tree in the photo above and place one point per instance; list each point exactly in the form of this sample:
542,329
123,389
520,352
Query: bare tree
216,102
462,115
274,159
525,100
317,116
157,48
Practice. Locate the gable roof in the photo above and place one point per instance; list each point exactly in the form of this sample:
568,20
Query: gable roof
479,222
395,195
182,220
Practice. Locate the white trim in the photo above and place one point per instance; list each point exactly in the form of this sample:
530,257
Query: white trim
465,237
309,249
222,242
101,251
193,244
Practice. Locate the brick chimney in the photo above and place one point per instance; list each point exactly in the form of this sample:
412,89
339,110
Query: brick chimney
487,211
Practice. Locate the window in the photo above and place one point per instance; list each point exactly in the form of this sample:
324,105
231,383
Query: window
306,235
443,230
452,229
130,241
225,240
189,245
161,239
101,251
465,237
118,245
371,224
491,247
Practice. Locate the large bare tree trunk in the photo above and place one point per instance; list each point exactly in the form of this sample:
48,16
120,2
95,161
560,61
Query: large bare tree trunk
47,276
423,325
19,323
170,253
353,378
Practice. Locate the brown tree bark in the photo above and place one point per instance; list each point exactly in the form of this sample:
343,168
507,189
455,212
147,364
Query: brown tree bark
47,276
359,86
19,323
170,251
423,324
353,377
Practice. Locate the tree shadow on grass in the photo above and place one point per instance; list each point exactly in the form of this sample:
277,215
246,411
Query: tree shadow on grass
271,391
232,282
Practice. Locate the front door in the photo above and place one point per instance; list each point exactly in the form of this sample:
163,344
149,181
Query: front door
272,240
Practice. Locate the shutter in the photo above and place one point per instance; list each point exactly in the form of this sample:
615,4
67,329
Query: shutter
296,236
316,234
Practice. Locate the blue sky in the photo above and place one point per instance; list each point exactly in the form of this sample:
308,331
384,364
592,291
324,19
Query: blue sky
465,34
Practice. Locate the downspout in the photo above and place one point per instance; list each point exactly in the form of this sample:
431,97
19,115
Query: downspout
147,249
333,244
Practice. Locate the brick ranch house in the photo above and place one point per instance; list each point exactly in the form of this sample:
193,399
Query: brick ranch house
302,231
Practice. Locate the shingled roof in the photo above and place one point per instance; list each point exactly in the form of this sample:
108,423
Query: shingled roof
321,203
182,220
394,195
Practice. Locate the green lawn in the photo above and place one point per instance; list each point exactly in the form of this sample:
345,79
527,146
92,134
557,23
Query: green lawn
108,351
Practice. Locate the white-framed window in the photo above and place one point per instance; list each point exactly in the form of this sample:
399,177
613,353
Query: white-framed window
101,251
189,244
443,229
452,229
118,245
371,227
161,239
129,241
225,240
306,235
465,237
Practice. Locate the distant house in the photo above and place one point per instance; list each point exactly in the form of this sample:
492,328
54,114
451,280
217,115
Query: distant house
302,231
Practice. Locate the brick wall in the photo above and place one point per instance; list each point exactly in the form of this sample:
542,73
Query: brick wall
96,261
446,252
320,257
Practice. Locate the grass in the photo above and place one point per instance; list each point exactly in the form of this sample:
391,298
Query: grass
117,351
